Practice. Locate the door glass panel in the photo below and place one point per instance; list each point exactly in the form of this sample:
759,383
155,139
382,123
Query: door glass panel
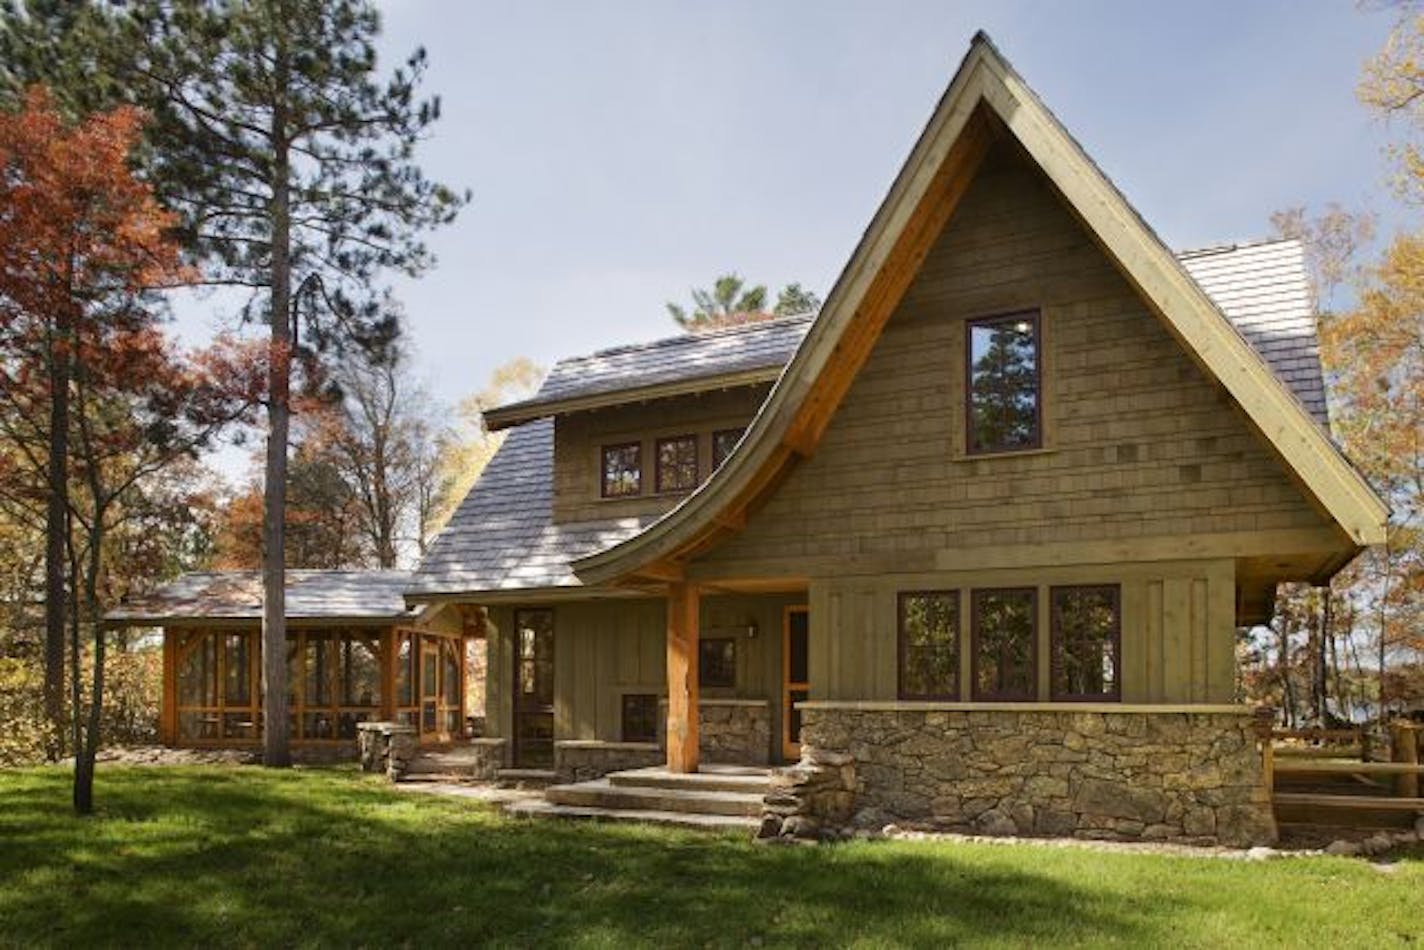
799,648
534,691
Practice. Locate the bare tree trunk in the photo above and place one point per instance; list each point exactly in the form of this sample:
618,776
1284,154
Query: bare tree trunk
1383,623
57,538
276,748
1287,687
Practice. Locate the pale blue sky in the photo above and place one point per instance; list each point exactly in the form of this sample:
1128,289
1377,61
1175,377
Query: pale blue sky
622,152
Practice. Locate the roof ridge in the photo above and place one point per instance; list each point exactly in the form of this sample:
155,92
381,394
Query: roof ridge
687,339
1226,248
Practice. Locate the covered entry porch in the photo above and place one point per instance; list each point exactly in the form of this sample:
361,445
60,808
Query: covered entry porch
581,688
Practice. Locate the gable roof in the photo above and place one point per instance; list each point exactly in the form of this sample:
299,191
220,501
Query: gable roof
503,536
237,595
986,99
690,362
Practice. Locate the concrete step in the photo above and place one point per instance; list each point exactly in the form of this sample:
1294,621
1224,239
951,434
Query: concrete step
745,779
681,819
601,793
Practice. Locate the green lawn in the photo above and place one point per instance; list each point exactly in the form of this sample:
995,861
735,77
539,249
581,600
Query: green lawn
243,857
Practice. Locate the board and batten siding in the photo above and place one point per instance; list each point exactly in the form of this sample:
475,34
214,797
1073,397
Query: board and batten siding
606,648
579,438
1178,634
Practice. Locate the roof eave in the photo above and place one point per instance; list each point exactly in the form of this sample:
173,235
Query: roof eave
519,413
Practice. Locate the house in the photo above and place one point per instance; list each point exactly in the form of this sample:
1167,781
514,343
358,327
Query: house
985,526
977,537
356,653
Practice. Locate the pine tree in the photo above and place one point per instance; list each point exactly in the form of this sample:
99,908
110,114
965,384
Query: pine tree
291,165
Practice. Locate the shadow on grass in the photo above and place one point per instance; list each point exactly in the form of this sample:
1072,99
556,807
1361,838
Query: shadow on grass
225,856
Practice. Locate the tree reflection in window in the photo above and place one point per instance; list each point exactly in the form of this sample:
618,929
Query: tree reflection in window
1004,407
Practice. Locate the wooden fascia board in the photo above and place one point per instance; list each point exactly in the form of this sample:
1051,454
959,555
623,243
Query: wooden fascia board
1188,313
779,433
520,413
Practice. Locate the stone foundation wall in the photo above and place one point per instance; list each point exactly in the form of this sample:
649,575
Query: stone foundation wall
581,761
1191,777
734,731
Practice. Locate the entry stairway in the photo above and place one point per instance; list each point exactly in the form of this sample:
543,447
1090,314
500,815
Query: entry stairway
715,797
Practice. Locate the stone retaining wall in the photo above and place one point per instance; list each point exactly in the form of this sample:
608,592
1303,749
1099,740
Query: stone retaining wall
1191,777
582,761
734,731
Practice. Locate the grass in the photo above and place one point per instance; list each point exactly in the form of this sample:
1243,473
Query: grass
245,857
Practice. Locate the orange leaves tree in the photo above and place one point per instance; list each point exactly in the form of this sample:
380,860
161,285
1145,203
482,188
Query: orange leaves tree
94,398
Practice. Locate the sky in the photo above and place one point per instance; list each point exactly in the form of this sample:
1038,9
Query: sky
620,153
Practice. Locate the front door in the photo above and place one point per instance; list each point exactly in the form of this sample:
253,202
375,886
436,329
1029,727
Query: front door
795,678
534,688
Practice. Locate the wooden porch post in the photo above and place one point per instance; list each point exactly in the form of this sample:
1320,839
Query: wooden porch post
168,719
388,674
682,635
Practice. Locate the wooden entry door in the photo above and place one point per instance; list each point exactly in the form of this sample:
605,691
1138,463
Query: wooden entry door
442,694
795,677
534,688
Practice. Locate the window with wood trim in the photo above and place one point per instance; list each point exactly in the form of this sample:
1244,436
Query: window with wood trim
622,470
723,442
717,662
1003,384
676,460
1004,643
929,645
640,717
1086,643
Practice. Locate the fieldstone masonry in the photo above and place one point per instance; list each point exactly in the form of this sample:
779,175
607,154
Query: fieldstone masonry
580,761
387,747
1188,777
812,799
734,731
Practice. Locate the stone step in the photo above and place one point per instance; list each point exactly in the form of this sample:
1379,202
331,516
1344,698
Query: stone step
526,778
746,779
602,793
681,819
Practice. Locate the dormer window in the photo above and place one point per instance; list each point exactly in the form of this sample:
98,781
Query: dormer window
676,463
622,470
1003,384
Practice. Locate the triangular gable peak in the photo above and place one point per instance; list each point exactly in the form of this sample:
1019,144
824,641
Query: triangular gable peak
985,100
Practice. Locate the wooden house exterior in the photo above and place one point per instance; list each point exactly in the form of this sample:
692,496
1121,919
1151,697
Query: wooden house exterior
1007,497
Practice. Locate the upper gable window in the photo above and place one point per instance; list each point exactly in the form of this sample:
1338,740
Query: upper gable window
622,470
676,463
1004,384
723,442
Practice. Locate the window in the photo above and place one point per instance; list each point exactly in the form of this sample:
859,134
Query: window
1086,642
1005,633
640,717
1002,401
723,442
622,470
676,463
929,645
717,662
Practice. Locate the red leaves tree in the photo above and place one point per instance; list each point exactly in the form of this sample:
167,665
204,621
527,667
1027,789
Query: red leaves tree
94,397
